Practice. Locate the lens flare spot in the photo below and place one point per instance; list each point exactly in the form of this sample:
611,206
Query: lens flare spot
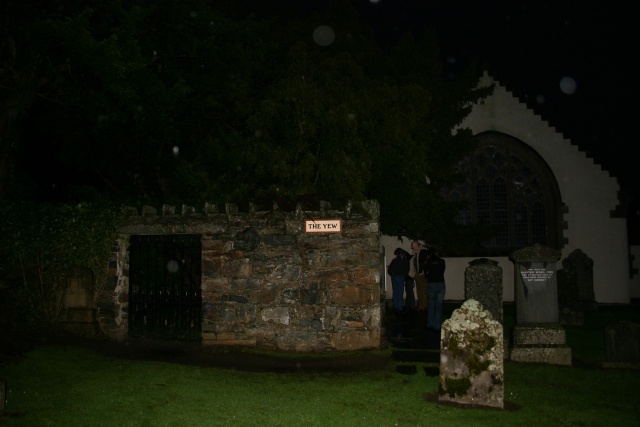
172,266
324,35
568,85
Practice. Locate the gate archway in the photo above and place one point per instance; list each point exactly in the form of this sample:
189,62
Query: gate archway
165,298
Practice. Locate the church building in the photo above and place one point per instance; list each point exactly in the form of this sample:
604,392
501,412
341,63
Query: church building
536,186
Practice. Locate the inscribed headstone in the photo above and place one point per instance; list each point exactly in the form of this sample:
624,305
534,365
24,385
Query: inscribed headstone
538,336
536,285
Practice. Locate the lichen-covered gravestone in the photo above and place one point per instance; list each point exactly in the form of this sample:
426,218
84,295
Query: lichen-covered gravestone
471,358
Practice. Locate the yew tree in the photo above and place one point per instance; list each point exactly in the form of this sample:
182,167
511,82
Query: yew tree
196,101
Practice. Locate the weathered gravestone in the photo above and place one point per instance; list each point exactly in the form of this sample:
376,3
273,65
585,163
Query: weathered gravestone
483,283
575,285
471,358
568,309
622,344
538,336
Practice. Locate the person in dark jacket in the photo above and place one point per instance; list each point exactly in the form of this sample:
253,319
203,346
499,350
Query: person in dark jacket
436,288
398,269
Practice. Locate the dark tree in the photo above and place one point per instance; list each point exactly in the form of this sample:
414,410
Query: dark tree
192,101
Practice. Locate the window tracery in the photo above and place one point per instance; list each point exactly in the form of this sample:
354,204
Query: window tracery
511,189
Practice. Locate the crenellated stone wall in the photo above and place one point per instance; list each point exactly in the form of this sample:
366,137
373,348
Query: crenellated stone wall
266,282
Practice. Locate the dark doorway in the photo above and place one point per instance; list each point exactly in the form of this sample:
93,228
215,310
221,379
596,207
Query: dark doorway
165,298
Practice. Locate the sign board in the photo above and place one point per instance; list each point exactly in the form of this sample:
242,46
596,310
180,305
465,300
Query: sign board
322,226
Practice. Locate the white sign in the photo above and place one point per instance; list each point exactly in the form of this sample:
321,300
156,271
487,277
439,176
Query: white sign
323,226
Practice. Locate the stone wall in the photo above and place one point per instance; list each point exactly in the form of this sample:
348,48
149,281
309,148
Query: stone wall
265,281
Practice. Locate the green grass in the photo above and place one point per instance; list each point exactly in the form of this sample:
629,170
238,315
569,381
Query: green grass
73,386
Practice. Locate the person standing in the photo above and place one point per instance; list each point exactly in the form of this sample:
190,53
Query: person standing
398,270
416,271
436,288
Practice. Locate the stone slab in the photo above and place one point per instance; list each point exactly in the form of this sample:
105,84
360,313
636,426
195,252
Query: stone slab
539,335
558,355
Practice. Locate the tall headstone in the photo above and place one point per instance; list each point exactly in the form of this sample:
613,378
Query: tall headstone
483,283
538,336
471,358
568,306
580,266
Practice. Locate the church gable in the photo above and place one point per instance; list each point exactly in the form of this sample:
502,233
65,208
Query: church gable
588,193
503,112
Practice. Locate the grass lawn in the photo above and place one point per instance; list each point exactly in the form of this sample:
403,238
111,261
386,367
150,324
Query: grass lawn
74,386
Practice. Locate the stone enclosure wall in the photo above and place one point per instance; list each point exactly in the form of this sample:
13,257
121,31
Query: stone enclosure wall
265,281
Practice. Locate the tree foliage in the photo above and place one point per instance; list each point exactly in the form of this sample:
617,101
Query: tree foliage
42,244
190,101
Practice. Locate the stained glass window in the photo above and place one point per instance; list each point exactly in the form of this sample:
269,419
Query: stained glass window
512,190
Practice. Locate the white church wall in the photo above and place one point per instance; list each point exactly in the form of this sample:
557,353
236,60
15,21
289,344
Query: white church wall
589,193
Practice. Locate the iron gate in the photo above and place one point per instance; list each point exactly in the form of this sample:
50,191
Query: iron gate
165,298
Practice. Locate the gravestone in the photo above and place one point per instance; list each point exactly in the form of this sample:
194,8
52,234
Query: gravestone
471,358
483,283
538,336
568,307
580,267
622,344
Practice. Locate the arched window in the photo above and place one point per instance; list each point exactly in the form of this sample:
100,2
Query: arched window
510,188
